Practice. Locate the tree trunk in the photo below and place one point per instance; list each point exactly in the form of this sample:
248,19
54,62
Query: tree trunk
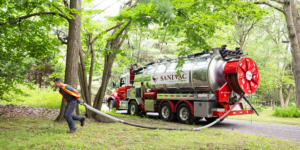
83,83
272,104
295,96
44,84
74,44
295,41
40,80
288,96
85,88
281,97
91,69
281,83
109,59
108,63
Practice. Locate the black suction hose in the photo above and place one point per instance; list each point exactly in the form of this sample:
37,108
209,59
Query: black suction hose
164,128
248,101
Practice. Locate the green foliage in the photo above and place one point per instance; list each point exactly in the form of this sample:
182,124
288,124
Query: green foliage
159,29
34,97
24,41
290,111
271,55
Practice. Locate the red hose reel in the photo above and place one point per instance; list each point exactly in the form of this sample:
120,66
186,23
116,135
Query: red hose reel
242,75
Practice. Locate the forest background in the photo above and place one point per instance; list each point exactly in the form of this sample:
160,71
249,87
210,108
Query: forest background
42,40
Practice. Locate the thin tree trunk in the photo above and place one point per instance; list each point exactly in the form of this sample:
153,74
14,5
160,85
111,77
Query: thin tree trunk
40,79
83,83
36,77
74,45
281,84
288,96
281,97
109,60
91,69
85,88
44,79
295,95
271,103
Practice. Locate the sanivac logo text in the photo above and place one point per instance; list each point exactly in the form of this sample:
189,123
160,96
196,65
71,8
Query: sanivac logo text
169,78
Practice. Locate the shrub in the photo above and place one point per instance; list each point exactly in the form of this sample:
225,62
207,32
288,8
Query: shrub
291,111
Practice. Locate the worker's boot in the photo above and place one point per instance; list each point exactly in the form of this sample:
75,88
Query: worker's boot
82,120
71,131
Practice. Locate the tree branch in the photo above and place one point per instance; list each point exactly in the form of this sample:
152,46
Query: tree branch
267,3
120,33
118,25
268,31
134,4
32,9
252,25
57,8
66,3
279,1
35,14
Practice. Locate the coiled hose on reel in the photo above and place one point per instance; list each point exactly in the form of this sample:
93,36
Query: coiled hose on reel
165,128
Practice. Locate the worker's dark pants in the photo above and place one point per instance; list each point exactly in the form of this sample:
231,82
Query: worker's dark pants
71,105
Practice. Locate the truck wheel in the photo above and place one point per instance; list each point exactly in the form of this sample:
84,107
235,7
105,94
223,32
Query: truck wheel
184,114
165,112
111,105
133,108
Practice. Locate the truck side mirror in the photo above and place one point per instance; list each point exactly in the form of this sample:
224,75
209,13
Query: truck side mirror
114,84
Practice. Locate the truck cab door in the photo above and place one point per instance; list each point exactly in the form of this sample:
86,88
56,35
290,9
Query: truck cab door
123,89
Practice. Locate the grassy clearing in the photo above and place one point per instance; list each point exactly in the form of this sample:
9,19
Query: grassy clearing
266,116
22,133
37,97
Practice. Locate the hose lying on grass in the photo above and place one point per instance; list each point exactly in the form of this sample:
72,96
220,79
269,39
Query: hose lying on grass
150,127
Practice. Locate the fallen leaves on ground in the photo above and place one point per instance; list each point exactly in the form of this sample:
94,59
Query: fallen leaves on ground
29,112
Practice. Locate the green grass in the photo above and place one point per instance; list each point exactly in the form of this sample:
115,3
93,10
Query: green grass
37,97
266,116
22,133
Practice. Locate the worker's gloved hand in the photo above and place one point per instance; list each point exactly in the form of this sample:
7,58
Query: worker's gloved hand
79,101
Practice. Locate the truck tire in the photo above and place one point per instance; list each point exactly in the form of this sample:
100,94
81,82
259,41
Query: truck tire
165,112
133,108
184,114
112,104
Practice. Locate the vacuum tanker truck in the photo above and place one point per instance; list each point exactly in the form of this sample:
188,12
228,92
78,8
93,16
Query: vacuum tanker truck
206,87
